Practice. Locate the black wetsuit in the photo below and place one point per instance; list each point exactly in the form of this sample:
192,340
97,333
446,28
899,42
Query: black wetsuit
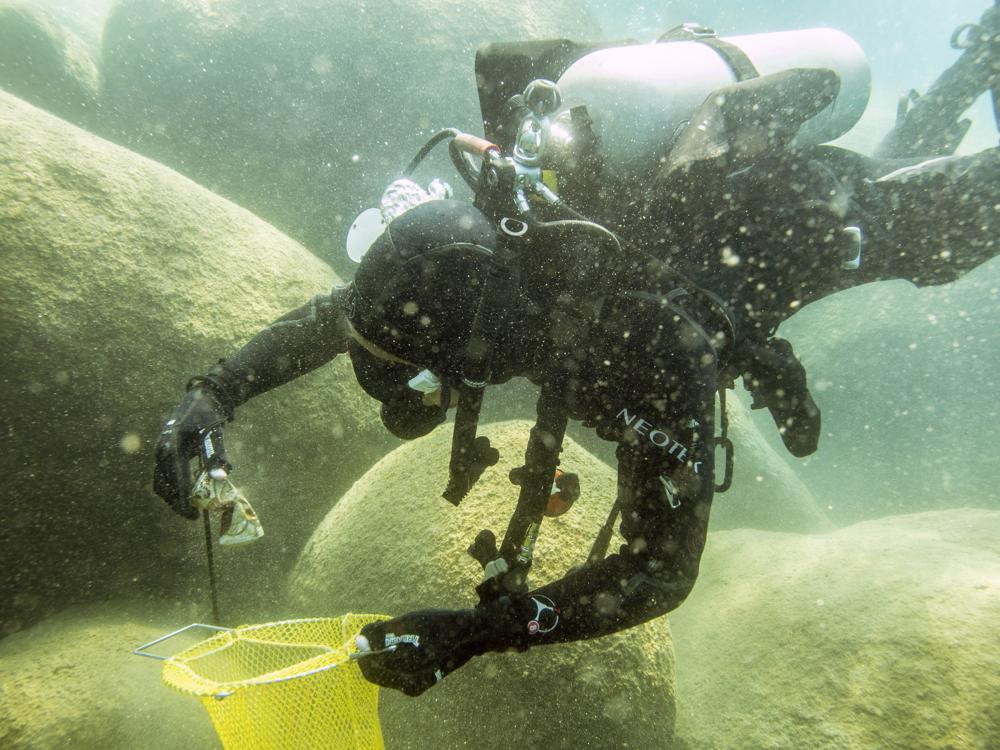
770,239
767,243
641,361
633,383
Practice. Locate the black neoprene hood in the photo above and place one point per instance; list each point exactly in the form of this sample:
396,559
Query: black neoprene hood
403,411
417,289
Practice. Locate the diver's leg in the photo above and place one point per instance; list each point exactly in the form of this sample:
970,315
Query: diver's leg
665,485
930,223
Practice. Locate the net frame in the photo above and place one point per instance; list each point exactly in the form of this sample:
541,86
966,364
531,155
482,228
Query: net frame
289,683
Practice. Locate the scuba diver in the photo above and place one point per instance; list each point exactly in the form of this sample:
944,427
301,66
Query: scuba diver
632,264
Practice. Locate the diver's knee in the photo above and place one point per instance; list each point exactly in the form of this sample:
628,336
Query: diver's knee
663,591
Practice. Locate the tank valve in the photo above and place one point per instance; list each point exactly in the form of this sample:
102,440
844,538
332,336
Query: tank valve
542,97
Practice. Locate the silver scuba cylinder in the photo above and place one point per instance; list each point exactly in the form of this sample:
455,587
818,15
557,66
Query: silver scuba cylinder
639,98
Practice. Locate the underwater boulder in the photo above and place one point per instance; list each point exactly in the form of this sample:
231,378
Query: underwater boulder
86,20
882,634
766,492
45,64
121,279
304,111
392,544
72,681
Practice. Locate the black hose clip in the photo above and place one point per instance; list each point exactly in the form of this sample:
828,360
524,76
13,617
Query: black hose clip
727,479
484,549
499,578
726,443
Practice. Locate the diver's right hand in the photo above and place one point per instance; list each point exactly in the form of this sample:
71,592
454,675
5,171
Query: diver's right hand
199,416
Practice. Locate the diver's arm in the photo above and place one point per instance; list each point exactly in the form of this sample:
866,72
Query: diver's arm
665,489
651,575
653,572
665,496
293,345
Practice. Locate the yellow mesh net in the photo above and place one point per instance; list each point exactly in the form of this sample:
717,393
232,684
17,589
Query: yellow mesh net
287,684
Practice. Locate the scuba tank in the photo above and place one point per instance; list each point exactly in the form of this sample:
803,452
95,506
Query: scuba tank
639,98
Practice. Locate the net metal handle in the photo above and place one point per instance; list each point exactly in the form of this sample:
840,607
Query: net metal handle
141,650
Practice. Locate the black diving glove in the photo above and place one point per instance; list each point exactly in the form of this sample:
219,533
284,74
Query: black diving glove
777,381
429,644
193,430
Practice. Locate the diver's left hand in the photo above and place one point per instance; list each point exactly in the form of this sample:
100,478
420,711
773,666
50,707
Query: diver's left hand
427,645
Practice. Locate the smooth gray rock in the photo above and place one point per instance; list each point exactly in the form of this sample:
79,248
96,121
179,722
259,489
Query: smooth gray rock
882,634
121,279
72,681
46,64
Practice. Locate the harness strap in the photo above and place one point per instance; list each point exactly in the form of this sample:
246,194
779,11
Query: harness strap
736,58
697,307
599,549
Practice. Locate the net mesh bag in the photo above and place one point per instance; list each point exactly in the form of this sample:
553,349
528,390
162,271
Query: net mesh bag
288,684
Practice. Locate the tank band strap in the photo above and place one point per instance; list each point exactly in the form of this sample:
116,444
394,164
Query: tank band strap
736,58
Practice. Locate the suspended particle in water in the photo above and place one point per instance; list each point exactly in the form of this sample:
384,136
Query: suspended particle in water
321,65
130,443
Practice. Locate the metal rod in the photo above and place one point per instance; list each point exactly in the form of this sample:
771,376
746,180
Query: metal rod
213,589
141,650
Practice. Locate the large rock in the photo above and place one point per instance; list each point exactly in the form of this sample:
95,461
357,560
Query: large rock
766,492
45,64
907,382
86,20
392,544
882,634
121,279
72,681
303,111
